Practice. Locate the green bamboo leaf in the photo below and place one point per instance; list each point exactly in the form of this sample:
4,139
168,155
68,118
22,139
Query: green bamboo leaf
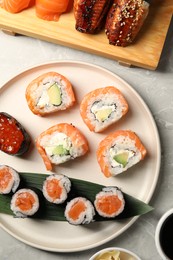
50,211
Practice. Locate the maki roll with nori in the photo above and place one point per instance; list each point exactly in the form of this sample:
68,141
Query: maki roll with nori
119,151
56,188
14,140
79,211
103,107
109,202
48,93
61,143
25,202
9,179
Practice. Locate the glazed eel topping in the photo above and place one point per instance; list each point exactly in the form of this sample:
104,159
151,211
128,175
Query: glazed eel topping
124,20
90,14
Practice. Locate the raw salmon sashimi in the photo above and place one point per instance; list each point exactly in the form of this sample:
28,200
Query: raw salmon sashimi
119,151
61,143
51,9
15,6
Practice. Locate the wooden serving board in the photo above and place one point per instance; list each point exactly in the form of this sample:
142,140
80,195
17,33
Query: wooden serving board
145,52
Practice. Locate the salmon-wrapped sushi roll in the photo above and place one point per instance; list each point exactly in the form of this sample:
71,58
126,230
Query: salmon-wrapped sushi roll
56,188
49,93
25,202
79,211
61,143
119,151
109,202
102,107
9,179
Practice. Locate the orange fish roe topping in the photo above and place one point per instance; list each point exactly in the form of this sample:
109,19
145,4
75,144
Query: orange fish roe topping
11,136
53,188
25,201
109,204
76,210
5,178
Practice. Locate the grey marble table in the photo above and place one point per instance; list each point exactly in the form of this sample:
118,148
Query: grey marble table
155,87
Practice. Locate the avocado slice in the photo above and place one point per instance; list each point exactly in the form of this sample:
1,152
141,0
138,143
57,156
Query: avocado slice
54,94
60,150
103,114
122,158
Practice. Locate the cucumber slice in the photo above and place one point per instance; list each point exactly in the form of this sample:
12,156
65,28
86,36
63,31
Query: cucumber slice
60,150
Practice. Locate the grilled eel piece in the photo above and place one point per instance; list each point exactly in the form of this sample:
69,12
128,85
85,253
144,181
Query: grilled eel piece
90,14
124,20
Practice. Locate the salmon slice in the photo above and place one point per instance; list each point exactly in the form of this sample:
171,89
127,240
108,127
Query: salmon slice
77,209
51,10
54,189
109,204
25,201
15,6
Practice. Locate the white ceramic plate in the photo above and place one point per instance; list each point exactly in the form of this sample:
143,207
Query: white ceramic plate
139,181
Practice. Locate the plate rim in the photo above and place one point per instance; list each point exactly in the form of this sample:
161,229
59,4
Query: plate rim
155,180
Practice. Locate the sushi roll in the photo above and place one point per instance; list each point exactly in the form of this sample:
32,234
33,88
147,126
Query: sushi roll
56,188
48,93
109,202
103,107
119,151
14,140
61,143
25,202
9,179
79,211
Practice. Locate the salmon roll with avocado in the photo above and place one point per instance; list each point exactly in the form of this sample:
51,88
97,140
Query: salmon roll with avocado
79,211
49,93
56,188
61,143
109,202
9,179
119,151
25,202
103,107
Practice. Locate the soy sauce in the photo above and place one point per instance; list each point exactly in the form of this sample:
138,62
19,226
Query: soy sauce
166,237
